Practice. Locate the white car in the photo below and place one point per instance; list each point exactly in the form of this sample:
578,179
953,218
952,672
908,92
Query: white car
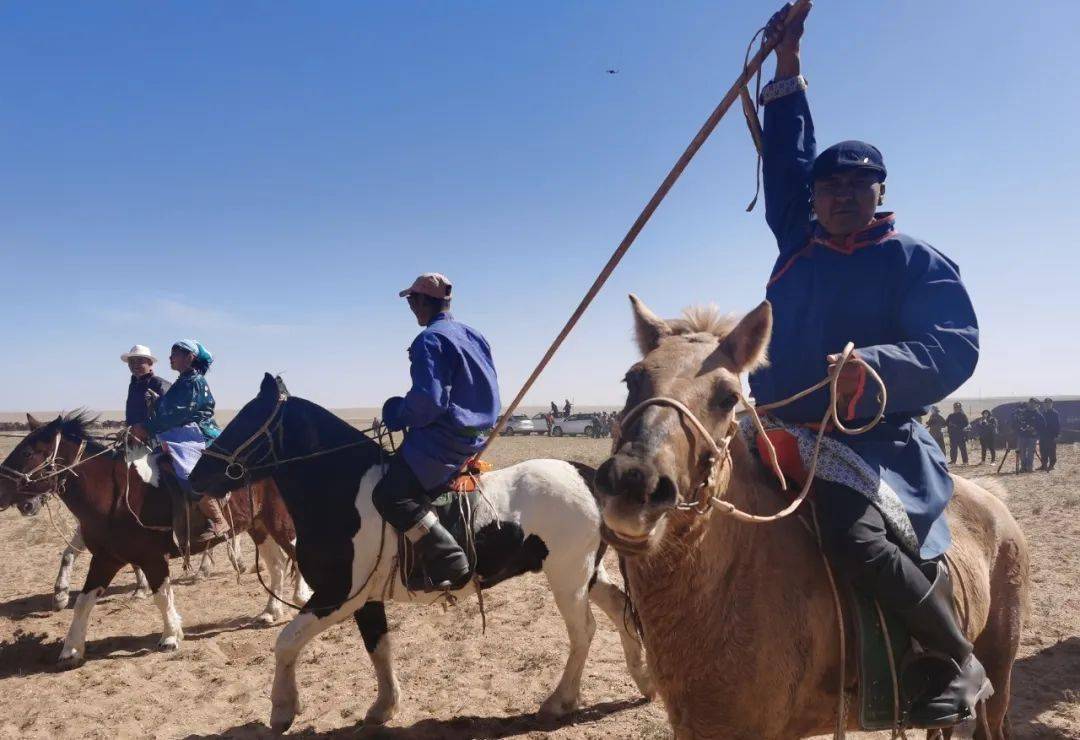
522,424
576,424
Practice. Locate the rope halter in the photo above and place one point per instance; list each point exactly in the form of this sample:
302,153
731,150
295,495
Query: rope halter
46,469
719,452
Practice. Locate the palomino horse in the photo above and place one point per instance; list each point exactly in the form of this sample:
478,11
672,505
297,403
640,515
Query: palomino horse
538,515
739,618
125,520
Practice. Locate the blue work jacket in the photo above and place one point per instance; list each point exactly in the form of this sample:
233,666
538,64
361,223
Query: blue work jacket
897,298
453,402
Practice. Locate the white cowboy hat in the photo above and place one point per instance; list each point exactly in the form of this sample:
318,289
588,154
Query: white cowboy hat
139,350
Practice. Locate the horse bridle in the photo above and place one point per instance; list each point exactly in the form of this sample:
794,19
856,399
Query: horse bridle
237,466
718,452
47,468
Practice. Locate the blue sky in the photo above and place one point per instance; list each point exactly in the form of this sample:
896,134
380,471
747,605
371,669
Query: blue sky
265,176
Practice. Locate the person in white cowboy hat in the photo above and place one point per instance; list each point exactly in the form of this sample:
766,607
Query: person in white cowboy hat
145,387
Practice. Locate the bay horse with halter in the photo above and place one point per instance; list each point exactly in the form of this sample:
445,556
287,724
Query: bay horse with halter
539,515
739,619
126,520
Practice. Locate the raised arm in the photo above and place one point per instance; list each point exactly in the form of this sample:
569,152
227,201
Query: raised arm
788,146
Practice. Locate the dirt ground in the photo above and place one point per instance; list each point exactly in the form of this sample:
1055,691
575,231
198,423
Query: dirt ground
456,682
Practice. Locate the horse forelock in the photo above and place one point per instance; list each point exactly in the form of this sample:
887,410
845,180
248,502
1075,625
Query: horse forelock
74,425
703,320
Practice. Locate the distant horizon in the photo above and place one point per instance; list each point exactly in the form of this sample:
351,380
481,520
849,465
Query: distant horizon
364,412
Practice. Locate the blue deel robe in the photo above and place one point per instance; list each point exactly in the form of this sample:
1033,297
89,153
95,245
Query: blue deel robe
453,402
897,298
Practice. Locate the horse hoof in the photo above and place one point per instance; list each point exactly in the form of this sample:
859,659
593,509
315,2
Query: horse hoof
380,715
66,663
61,599
168,644
281,720
266,619
556,707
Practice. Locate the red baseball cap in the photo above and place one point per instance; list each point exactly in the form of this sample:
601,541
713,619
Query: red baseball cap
430,284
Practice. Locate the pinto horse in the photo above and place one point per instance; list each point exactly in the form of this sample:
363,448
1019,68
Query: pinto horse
540,515
124,519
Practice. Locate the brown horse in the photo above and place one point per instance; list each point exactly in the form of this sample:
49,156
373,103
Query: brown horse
738,618
124,519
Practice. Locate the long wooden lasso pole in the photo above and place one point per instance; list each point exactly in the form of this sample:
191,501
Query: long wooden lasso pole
749,70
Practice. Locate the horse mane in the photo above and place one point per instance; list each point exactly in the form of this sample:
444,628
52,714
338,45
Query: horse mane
703,320
73,425
343,432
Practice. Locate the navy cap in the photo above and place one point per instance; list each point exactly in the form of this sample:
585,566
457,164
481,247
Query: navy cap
849,155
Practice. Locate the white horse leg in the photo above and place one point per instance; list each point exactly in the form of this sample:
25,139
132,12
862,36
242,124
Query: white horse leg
62,587
613,602
284,696
173,631
301,590
142,586
570,586
74,650
273,557
205,561
371,619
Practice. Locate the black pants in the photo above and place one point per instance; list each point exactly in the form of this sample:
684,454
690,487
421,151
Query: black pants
399,497
856,540
987,445
1048,450
957,443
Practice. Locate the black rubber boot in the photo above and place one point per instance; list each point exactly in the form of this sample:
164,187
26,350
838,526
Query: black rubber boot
947,681
442,564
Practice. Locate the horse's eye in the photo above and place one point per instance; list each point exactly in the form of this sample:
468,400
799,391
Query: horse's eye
724,400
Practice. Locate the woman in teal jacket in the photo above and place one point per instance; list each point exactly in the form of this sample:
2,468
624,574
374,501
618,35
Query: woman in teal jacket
184,424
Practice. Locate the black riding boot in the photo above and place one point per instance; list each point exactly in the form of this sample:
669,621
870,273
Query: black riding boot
442,563
951,680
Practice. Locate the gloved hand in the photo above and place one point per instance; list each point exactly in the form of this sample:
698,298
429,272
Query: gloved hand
850,385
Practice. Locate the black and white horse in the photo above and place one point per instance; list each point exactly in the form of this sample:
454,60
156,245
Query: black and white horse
540,515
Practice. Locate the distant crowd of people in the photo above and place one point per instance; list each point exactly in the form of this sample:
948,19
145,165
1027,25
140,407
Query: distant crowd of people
1035,425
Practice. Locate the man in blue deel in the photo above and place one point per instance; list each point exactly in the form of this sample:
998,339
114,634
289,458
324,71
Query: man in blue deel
453,402
846,274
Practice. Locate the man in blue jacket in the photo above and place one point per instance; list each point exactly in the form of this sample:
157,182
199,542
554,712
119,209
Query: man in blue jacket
453,402
845,273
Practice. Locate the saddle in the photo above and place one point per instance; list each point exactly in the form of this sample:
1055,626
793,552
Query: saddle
455,506
884,651
186,515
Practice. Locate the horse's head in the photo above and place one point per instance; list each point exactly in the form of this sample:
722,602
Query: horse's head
27,474
247,446
662,457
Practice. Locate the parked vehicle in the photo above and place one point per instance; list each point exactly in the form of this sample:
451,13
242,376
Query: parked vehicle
522,424
576,424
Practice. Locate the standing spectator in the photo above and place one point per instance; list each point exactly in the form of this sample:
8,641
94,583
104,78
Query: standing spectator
549,419
1050,433
936,423
1028,423
987,427
957,424
554,410
566,408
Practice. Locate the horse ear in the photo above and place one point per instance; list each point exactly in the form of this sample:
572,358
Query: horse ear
747,343
648,327
268,387
34,423
283,392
